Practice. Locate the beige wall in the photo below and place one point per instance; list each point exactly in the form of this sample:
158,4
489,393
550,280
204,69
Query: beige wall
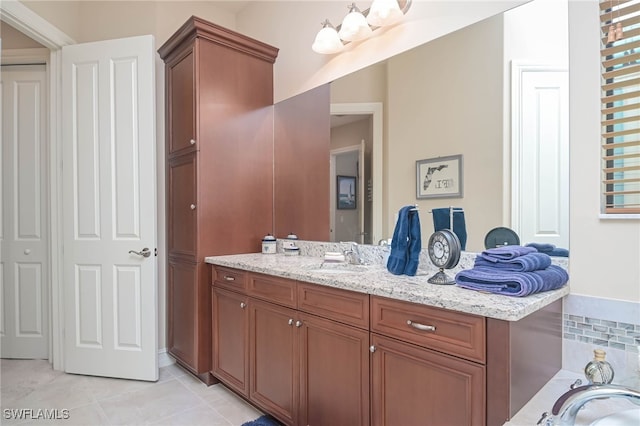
14,39
437,108
86,21
605,253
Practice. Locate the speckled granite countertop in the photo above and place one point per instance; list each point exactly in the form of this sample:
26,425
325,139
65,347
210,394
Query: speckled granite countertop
376,280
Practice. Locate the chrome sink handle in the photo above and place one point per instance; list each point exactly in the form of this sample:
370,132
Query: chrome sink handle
144,253
566,408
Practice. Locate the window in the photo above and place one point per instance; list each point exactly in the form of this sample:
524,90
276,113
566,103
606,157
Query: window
620,105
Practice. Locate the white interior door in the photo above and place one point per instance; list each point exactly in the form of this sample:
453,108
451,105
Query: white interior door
541,157
109,205
24,317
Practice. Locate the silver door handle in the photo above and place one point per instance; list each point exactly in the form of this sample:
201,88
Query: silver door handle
144,253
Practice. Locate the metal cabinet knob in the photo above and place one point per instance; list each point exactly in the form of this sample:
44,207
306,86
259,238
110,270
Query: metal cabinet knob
144,253
192,141
290,321
372,348
298,323
27,251
243,305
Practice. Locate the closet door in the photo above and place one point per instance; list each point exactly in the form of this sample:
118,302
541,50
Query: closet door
23,217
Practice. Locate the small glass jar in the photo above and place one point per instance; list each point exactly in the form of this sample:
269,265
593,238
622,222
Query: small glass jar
599,371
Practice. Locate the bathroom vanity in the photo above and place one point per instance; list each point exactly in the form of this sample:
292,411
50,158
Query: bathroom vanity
313,345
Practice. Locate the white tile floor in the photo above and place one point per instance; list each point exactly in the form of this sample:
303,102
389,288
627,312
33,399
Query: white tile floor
177,398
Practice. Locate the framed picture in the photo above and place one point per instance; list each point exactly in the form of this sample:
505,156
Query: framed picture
346,192
439,177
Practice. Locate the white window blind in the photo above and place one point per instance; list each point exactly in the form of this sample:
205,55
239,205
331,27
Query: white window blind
620,106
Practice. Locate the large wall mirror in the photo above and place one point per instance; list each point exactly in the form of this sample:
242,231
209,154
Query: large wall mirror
495,93
455,95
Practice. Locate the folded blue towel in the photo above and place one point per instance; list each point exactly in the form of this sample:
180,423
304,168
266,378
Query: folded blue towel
505,253
512,283
441,220
525,263
549,249
400,243
415,243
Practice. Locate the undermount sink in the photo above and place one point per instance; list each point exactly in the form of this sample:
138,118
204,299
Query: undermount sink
626,417
338,268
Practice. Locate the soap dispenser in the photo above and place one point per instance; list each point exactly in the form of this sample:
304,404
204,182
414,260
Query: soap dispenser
599,371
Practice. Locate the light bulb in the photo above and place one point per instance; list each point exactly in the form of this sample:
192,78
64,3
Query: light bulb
354,26
384,12
327,41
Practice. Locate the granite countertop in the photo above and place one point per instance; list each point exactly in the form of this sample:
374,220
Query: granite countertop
376,280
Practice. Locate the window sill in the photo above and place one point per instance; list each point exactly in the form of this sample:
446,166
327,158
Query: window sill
611,216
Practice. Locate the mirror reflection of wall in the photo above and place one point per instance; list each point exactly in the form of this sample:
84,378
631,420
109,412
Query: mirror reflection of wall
453,96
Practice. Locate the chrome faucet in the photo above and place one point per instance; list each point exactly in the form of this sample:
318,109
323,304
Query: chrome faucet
353,253
566,408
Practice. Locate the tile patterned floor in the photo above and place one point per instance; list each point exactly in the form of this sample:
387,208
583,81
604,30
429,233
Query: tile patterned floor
177,398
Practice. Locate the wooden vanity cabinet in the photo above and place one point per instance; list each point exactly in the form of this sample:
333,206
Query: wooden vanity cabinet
219,124
318,355
308,347
230,327
419,374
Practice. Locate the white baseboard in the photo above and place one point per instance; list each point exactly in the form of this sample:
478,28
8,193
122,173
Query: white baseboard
164,358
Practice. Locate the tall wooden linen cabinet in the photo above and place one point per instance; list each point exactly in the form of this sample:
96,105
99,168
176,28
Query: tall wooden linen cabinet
219,170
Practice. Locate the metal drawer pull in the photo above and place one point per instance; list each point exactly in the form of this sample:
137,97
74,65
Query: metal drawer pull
228,278
421,327
243,305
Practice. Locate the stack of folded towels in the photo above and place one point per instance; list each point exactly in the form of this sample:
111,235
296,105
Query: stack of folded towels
549,249
513,271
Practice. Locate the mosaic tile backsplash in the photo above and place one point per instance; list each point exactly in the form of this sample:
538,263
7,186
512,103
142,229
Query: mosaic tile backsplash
602,332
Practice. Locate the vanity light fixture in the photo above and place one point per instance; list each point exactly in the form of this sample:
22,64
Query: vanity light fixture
358,25
354,26
327,41
384,12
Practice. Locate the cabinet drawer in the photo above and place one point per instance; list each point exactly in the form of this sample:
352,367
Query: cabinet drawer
231,279
440,329
272,289
339,305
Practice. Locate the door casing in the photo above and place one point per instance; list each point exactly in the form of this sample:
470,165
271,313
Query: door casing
25,20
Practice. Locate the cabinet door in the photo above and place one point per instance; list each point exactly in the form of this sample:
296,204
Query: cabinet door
415,387
230,325
182,279
334,373
181,102
273,348
182,205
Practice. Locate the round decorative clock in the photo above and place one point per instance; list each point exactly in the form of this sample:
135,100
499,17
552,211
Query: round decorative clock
444,251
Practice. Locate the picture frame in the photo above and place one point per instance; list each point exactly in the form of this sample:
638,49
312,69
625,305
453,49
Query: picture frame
346,192
439,177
